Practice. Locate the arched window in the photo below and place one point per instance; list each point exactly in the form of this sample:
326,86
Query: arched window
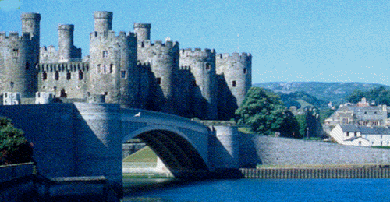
56,75
68,75
44,75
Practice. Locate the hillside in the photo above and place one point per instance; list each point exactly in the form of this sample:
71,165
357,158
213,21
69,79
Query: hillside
335,92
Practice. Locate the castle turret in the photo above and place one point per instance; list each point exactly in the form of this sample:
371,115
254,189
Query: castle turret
31,24
235,79
202,67
18,57
102,21
143,31
65,42
113,63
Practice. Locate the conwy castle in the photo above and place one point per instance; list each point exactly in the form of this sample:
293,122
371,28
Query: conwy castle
126,69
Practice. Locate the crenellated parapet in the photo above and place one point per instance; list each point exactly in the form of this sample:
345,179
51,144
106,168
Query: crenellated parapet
147,49
224,61
63,67
198,54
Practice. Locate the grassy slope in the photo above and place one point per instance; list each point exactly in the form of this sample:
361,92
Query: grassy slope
143,155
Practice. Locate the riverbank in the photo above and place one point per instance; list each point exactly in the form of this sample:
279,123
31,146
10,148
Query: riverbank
318,171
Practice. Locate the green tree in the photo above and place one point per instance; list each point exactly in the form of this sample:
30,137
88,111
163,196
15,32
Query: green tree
301,119
264,112
380,95
13,145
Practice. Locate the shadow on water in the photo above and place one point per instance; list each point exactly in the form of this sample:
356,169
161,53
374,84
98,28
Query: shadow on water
135,189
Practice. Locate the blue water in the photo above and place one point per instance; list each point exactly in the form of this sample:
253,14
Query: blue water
267,190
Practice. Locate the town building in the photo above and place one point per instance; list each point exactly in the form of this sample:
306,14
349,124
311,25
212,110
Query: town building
355,135
361,114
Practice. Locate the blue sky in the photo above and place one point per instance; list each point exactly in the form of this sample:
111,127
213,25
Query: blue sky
290,40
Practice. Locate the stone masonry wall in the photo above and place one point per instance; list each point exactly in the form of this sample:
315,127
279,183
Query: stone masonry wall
283,151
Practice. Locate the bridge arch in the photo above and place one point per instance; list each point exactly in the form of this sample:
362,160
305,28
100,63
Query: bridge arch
175,148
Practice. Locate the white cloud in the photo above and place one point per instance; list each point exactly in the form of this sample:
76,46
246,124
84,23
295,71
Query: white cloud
8,5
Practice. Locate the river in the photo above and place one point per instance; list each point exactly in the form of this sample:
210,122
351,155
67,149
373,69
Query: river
258,190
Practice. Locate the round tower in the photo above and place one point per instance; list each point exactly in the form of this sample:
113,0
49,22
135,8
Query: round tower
204,84
20,54
113,65
143,31
65,42
102,21
163,59
236,74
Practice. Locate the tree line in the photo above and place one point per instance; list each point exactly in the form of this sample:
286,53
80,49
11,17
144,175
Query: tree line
264,112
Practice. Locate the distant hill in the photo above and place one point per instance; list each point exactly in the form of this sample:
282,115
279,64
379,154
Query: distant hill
301,99
335,92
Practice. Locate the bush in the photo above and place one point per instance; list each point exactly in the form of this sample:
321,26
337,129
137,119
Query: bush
14,146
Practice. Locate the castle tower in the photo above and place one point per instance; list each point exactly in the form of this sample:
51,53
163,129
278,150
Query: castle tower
18,57
143,31
202,67
31,24
65,42
163,59
102,21
113,63
235,79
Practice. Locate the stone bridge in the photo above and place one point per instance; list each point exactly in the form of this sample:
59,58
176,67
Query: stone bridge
84,139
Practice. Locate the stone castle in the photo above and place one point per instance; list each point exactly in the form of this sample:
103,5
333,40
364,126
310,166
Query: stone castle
126,69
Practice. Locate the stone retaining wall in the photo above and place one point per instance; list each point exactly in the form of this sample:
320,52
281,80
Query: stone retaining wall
283,151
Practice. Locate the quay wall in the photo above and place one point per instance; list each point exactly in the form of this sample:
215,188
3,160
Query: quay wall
373,171
258,149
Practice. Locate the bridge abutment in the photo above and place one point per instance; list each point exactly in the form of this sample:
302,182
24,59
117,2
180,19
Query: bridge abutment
224,147
99,150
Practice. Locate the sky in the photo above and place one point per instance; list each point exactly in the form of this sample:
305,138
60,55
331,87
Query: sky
289,40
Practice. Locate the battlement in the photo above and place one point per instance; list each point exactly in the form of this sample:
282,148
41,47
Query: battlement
142,25
110,35
234,56
197,52
102,15
143,63
12,35
50,48
184,67
158,43
63,67
69,27
35,16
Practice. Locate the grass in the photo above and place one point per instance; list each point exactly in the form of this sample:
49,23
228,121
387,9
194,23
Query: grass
145,154
246,130
381,147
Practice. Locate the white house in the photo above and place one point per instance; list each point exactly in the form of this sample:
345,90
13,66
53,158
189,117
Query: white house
355,135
